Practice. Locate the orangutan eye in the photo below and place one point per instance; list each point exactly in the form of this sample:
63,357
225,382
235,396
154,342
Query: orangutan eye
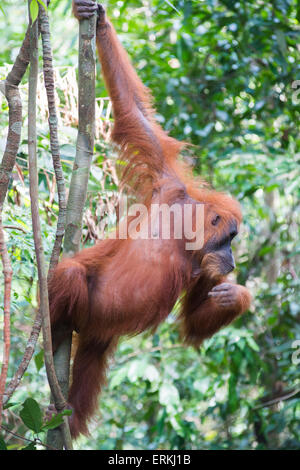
216,220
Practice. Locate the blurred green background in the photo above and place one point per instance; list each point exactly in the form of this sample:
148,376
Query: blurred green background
224,77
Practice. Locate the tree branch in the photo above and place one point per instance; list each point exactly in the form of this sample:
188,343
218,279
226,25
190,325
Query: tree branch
7,272
10,89
79,180
55,151
42,278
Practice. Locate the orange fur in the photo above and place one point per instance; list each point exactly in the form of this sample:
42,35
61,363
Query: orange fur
126,286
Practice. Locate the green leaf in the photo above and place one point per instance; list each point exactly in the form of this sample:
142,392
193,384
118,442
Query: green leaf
31,446
10,404
57,420
34,10
43,4
172,6
176,425
232,393
2,444
168,394
31,415
39,360
252,344
136,369
118,376
151,373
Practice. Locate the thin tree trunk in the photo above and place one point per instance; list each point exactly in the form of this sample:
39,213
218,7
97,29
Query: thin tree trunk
15,105
42,277
10,89
54,143
7,272
79,182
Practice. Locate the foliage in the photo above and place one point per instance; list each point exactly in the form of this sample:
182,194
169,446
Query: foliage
224,75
